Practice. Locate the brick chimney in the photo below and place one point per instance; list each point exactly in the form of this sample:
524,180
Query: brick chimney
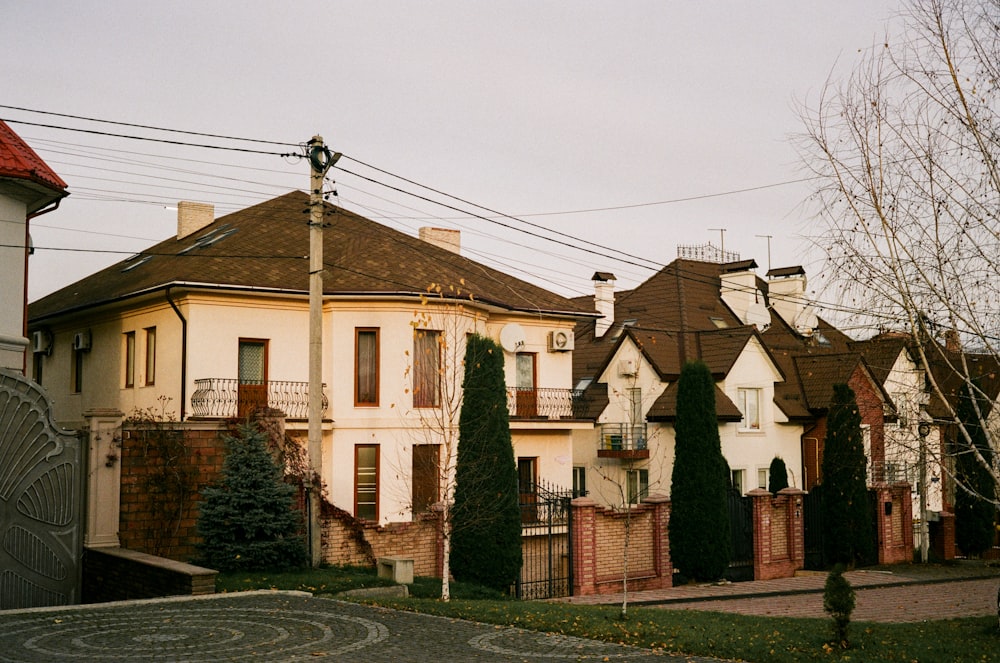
604,301
446,238
192,217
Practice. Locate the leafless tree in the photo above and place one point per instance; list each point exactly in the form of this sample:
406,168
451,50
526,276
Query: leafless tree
905,153
436,369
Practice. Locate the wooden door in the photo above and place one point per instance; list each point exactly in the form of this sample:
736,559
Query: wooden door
252,387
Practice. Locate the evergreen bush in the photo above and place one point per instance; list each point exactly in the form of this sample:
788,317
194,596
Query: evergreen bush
248,520
700,536
486,516
838,602
777,478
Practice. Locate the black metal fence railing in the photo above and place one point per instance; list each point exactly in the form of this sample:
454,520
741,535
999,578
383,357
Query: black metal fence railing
229,397
546,529
623,437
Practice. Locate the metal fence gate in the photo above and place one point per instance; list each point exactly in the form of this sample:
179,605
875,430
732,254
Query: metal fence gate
40,501
546,543
741,526
812,521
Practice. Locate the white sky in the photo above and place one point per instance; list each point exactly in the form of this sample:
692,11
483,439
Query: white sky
524,107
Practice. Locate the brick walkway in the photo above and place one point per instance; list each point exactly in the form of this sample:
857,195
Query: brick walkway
908,593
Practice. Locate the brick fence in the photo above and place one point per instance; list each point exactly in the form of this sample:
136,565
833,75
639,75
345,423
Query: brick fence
599,551
778,533
893,522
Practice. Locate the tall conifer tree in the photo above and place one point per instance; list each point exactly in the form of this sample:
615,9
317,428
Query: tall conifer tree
974,511
847,520
486,517
700,537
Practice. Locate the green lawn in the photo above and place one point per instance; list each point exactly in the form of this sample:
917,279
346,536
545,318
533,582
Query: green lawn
683,631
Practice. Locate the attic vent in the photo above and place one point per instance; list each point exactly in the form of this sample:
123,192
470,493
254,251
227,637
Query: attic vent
132,265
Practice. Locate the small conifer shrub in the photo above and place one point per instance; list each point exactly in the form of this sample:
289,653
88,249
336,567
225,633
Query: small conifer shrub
248,520
838,602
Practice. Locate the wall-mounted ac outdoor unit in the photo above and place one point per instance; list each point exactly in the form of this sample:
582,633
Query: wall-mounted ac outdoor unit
560,340
41,342
81,341
627,367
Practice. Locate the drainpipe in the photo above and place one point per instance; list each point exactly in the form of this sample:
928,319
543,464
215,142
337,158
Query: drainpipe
184,343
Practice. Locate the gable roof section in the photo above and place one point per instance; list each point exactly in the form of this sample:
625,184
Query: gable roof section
267,249
665,407
19,162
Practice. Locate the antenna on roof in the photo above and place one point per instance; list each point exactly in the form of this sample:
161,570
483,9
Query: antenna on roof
768,238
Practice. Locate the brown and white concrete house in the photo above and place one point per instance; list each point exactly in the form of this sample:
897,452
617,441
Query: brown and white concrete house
213,323
774,360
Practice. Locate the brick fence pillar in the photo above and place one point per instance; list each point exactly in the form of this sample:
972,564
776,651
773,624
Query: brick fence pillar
661,540
584,546
761,501
796,526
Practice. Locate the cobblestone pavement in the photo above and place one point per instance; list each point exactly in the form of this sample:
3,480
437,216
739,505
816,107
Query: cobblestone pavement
279,626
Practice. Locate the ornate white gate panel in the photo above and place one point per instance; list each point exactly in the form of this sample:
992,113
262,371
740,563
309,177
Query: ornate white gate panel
40,501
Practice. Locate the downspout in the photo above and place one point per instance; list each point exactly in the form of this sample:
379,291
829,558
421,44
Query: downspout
53,206
184,342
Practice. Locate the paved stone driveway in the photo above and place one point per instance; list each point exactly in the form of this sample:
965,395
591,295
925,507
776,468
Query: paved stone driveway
278,626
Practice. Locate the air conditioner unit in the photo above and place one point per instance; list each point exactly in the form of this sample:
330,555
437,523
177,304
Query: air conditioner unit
560,340
627,367
81,341
41,342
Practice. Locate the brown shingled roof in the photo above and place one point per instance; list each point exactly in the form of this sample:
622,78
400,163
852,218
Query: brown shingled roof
267,248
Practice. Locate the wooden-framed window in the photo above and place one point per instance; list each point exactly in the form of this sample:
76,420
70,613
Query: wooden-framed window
129,359
366,482
526,400
426,477
426,368
150,356
748,401
366,366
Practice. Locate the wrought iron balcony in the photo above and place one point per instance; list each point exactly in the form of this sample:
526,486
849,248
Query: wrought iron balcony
622,440
543,403
225,398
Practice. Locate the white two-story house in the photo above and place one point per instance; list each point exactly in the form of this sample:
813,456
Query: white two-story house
213,323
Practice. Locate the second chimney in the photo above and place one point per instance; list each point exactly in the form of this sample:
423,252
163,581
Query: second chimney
192,217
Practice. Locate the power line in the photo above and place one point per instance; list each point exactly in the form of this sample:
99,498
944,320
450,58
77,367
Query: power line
146,126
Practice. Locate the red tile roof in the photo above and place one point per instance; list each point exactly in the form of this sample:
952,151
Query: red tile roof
19,161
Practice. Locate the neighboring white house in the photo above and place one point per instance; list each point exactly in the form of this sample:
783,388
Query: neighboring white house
213,323
28,188
630,361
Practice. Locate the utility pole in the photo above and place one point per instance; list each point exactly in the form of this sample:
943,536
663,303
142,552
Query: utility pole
320,161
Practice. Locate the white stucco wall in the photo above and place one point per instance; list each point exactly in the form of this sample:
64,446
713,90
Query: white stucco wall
12,269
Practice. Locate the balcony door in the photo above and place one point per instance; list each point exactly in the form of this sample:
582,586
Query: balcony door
527,397
252,387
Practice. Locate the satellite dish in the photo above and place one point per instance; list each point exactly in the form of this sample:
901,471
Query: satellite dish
758,315
512,337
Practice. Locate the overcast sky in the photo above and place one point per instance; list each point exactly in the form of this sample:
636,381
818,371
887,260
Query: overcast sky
535,109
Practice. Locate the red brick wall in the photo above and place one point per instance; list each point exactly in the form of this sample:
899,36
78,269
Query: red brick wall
872,410
159,515
778,533
895,528
349,542
598,551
